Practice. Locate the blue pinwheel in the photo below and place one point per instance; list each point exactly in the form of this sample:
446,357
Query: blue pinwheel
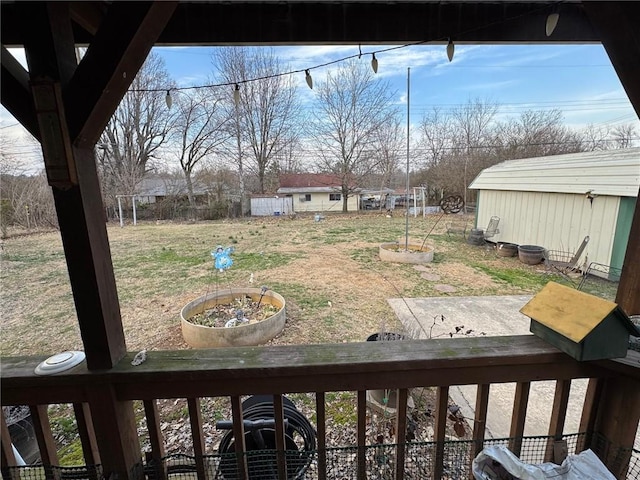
222,257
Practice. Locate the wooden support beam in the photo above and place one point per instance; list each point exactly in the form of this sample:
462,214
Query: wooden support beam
88,255
616,23
16,95
120,47
50,47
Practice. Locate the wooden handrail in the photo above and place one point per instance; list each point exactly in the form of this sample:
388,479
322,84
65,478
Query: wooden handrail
278,370
302,368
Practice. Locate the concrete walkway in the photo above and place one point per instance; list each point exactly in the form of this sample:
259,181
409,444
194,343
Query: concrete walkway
493,315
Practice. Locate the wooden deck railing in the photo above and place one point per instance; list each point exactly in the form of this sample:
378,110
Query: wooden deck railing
103,400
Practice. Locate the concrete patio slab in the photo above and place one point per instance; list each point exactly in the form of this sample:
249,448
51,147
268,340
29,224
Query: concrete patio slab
492,315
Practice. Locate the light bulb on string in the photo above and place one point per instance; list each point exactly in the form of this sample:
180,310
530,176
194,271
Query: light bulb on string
307,77
552,21
374,63
168,99
450,49
236,95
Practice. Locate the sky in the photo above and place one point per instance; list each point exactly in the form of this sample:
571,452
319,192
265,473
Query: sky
578,80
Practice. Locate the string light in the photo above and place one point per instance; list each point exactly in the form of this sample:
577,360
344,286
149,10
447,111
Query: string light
450,49
307,77
236,95
552,21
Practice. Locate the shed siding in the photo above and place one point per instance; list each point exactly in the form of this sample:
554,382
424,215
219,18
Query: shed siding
320,203
555,221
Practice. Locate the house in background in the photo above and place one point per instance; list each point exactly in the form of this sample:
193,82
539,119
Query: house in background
316,192
556,201
155,189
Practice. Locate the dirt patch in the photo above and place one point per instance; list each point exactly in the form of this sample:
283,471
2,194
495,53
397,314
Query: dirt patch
460,274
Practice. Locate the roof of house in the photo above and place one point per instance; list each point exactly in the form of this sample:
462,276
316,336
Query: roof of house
162,187
607,172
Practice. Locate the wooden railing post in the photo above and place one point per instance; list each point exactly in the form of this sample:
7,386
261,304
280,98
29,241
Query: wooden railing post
617,421
116,433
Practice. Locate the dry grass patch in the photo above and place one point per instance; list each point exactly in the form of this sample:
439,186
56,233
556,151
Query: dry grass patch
329,272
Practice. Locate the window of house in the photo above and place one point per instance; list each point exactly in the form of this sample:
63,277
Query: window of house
307,197
335,197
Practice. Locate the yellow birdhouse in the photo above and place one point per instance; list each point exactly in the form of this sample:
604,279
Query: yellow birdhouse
584,326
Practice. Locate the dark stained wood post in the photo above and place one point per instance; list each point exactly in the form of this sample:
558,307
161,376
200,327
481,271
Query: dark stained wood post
71,105
71,172
618,407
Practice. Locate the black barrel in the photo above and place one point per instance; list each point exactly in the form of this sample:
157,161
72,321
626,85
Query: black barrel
476,237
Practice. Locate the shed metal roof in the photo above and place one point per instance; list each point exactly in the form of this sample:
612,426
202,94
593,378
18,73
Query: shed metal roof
608,172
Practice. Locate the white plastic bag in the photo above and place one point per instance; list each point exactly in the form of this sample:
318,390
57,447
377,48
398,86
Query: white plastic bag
499,463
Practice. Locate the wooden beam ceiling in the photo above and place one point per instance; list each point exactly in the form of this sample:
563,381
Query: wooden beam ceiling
331,22
118,50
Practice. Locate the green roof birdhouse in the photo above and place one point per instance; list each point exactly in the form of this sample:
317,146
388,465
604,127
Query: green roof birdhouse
584,326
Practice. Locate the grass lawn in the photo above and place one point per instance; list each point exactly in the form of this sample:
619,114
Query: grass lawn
329,272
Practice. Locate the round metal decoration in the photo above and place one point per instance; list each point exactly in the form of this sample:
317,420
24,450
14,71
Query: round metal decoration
452,204
60,362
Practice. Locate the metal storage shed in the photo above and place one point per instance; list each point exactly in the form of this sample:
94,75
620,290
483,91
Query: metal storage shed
556,201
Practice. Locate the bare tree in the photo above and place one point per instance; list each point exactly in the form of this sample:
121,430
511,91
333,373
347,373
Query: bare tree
624,136
536,134
135,132
201,127
472,123
352,108
266,112
435,143
26,199
594,138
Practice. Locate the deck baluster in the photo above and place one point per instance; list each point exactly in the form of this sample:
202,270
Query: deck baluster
519,416
401,431
321,431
